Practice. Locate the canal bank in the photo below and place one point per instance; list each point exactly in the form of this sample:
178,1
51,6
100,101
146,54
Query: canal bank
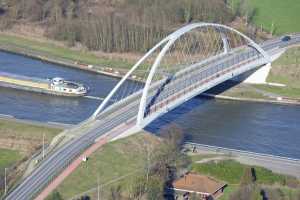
65,63
86,61
35,122
280,100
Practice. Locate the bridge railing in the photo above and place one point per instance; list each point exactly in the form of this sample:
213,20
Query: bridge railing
200,78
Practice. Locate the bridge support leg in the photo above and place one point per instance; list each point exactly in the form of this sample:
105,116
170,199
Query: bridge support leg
259,76
225,43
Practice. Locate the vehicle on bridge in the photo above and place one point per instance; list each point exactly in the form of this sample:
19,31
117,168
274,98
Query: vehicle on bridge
286,38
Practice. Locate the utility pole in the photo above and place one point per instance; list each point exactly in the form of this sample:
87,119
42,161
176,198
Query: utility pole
43,145
5,181
98,188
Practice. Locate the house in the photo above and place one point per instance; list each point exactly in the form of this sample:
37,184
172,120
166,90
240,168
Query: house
200,186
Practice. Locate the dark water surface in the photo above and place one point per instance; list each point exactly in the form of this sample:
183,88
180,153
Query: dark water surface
257,127
42,107
263,128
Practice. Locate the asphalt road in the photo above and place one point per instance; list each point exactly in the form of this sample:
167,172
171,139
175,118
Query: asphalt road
59,159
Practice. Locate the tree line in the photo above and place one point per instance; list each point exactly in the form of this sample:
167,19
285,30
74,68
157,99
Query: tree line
111,25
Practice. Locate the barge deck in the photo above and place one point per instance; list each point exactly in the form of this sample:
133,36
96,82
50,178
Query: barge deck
55,86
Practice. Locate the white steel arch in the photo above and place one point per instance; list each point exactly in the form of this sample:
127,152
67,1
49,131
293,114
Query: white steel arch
165,44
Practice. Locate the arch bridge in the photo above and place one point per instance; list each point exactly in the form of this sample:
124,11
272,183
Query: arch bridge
186,63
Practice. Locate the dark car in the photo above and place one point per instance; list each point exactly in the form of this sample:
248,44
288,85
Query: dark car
286,38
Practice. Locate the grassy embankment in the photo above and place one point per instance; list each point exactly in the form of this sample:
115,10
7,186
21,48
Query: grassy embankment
9,128
117,159
18,141
51,50
231,172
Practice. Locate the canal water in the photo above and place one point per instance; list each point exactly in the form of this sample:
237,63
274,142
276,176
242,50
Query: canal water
34,106
262,128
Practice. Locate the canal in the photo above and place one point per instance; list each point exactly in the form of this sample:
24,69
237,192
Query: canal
262,128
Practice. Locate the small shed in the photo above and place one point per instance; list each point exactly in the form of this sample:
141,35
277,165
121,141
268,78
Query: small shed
203,187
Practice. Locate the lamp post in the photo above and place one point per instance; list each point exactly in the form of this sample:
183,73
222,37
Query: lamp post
5,181
98,188
43,145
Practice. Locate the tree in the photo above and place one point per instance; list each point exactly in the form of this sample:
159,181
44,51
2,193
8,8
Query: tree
111,26
249,176
138,188
115,193
155,189
272,194
247,192
162,162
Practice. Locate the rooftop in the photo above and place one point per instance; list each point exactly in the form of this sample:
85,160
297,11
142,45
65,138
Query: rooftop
198,183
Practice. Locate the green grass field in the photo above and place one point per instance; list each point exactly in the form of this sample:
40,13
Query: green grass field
18,130
283,13
231,172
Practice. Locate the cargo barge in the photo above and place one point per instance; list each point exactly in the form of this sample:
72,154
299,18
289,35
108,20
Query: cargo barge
54,86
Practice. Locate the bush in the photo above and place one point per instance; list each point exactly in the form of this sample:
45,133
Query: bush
249,176
247,192
55,196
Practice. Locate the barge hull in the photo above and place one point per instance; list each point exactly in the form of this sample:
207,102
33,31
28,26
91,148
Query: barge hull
37,90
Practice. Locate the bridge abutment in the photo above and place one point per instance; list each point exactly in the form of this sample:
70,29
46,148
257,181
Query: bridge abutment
258,76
